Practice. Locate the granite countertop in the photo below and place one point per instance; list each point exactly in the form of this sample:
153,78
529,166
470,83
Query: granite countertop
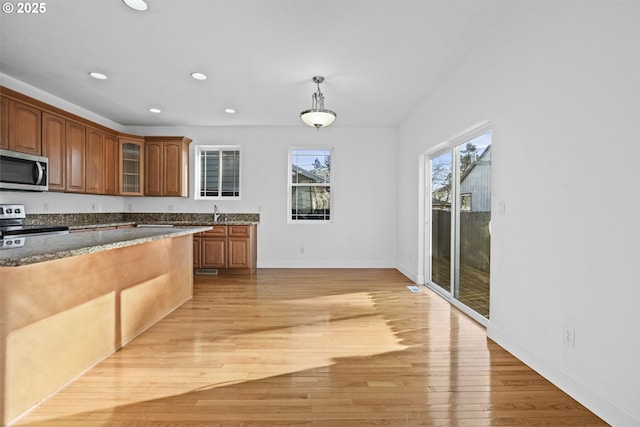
159,223
199,223
55,246
119,219
101,225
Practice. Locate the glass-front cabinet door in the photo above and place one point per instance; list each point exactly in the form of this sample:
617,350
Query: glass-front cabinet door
131,166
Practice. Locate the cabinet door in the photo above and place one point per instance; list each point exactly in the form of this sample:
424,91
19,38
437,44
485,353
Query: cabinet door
238,252
197,242
214,251
24,128
153,169
53,147
4,123
131,167
172,185
75,150
110,164
94,162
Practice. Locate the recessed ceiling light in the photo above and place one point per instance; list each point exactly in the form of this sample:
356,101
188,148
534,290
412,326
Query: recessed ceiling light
199,76
155,110
139,5
98,76
229,111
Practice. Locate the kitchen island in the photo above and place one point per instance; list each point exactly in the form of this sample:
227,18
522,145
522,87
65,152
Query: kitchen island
68,301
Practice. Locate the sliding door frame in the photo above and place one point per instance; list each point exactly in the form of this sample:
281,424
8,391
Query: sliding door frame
425,216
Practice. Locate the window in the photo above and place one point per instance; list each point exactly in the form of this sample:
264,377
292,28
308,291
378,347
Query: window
310,185
465,202
217,172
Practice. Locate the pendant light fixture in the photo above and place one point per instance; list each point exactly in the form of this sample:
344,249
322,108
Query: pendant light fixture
317,116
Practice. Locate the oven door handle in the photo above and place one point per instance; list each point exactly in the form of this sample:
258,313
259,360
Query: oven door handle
40,173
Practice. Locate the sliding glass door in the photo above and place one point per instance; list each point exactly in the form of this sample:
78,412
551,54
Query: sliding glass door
441,196
460,206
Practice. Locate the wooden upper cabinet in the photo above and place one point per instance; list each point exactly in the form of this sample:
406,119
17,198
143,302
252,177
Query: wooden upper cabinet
54,147
167,166
153,166
94,181
110,164
4,123
24,128
172,152
131,165
87,157
75,151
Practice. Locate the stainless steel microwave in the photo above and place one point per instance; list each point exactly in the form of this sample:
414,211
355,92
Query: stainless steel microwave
23,172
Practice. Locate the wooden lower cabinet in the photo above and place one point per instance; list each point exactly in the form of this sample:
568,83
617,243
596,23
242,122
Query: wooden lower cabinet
213,252
231,249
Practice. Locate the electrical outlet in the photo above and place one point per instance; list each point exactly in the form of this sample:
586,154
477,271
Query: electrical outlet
93,207
569,336
301,249
46,206
170,208
129,207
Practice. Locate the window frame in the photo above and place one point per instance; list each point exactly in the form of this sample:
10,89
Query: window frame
329,185
199,149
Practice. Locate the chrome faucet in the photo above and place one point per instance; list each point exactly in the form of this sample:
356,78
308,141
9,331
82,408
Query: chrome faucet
216,214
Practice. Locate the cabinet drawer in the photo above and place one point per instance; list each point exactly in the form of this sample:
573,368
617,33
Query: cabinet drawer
238,230
218,231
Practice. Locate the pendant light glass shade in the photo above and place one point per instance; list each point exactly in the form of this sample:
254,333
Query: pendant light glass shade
317,116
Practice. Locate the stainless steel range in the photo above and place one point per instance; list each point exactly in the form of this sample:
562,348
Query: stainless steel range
13,231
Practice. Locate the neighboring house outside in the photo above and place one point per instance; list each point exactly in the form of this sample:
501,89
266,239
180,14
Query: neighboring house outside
475,187
309,202
475,184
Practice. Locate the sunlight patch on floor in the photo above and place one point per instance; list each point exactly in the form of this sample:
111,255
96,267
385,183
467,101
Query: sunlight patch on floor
326,329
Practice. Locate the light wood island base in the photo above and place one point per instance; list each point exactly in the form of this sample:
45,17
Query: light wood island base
61,317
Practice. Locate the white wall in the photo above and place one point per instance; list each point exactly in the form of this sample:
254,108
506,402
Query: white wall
560,84
363,165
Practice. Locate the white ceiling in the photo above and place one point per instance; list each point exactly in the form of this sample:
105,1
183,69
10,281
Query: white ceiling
379,58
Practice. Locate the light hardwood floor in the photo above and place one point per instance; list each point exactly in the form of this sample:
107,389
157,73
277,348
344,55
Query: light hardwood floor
327,347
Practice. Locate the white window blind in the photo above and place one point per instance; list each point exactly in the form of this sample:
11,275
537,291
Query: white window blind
219,172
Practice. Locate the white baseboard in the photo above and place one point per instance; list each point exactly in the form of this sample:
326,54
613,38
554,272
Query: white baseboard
325,264
415,279
590,398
